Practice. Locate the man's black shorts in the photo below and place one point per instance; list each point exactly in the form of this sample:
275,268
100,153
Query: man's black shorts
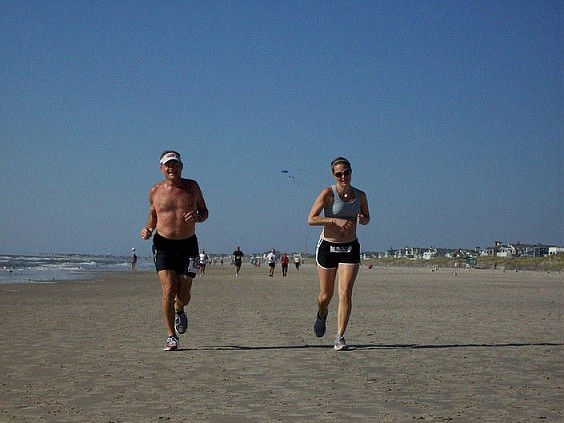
330,254
178,255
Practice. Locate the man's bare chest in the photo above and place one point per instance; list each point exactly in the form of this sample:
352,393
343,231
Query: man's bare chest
172,200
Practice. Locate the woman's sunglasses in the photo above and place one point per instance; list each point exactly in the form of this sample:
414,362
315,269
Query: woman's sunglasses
345,172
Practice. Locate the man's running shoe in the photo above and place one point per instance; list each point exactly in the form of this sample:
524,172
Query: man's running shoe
181,322
171,344
319,327
340,344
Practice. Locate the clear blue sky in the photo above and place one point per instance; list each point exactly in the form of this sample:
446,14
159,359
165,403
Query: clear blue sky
450,112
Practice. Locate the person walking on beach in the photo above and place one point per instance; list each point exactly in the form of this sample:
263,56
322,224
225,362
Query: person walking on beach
297,261
133,260
176,204
338,250
203,261
284,260
271,258
238,259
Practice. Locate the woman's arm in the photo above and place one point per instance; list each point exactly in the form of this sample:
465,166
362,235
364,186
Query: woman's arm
364,215
320,203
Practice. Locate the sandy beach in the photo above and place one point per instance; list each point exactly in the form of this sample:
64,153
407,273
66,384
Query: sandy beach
427,346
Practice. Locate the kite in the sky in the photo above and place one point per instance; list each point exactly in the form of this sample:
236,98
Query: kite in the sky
292,178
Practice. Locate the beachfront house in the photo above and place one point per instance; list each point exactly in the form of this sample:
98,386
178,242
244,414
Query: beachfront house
516,250
505,250
429,254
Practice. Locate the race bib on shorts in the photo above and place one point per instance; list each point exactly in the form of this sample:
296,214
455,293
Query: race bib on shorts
192,266
340,248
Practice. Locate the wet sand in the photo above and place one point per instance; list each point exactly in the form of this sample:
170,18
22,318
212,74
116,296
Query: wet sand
427,346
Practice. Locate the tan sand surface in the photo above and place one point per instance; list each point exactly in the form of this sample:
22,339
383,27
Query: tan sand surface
427,346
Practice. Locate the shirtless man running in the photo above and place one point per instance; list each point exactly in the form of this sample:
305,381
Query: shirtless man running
175,206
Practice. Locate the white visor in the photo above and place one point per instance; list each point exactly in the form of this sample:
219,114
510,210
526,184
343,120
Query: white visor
170,156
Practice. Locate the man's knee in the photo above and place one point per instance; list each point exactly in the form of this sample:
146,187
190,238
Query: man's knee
324,297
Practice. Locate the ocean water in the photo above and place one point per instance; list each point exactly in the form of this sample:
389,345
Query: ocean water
58,267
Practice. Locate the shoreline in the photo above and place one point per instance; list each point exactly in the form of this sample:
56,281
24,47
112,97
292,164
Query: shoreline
426,345
377,265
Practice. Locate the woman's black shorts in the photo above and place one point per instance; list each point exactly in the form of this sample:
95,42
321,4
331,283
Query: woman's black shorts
330,254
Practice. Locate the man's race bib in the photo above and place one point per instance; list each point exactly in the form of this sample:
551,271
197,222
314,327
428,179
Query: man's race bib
192,265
